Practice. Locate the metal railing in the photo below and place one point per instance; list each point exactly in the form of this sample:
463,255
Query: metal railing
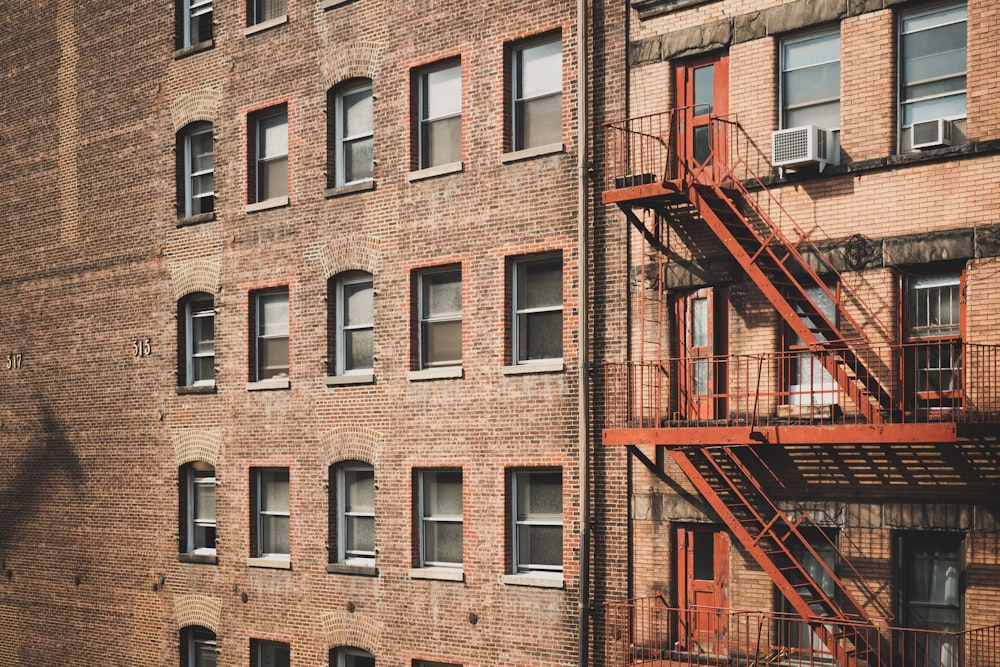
932,381
646,631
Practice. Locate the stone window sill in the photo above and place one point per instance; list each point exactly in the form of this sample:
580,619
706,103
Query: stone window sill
444,373
273,202
355,570
204,559
438,573
432,172
330,4
534,579
529,153
270,563
194,48
350,188
265,25
196,219
196,389
355,378
269,385
553,366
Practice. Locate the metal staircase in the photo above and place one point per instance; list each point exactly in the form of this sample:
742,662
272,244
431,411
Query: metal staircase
774,539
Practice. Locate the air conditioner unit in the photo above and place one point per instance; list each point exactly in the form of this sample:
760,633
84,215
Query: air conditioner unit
798,146
932,134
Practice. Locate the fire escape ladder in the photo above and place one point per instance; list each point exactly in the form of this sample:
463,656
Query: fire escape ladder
777,544
784,276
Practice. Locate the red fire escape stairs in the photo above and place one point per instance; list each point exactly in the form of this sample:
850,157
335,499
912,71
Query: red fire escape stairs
775,542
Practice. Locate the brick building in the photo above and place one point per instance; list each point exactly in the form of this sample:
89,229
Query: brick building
292,334
800,426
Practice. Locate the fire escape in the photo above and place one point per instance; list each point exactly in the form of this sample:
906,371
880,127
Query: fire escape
659,399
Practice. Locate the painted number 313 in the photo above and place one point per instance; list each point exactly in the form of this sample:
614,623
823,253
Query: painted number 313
142,347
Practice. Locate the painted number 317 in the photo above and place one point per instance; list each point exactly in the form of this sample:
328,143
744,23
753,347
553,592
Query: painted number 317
13,362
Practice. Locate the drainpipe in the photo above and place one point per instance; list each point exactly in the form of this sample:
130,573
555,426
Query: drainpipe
583,275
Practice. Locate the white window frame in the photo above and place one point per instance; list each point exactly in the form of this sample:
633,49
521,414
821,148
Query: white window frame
262,160
344,513
346,656
783,87
262,643
924,284
193,9
519,282
521,484
425,120
260,513
194,638
518,100
343,141
195,475
260,337
425,479
197,306
428,319
342,328
190,174
905,129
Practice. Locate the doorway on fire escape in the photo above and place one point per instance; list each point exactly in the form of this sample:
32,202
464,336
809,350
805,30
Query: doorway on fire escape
703,588
819,561
701,93
702,341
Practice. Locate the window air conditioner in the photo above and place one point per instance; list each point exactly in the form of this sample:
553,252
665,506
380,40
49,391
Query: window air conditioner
798,146
932,134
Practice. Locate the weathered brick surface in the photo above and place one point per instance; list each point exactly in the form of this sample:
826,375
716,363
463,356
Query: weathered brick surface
93,260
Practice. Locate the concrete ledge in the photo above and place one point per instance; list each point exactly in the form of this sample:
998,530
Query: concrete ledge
270,563
330,4
350,188
268,385
194,48
529,153
273,202
355,378
265,25
196,389
534,580
443,373
354,570
551,366
195,219
438,573
432,172
204,559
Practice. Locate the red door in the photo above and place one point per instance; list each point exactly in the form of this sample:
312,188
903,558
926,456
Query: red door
702,326
702,93
703,588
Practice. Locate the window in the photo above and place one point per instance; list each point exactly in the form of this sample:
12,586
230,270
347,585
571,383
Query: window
441,518
932,596
932,45
934,356
354,305
198,509
439,100
269,654
271,513
198,647
799,634
440,315
196,188
538,326
354,499
266,10
537,503
271,155
810,81
196,22
809,382
197,341
271,332
351,134
351,657
536,77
